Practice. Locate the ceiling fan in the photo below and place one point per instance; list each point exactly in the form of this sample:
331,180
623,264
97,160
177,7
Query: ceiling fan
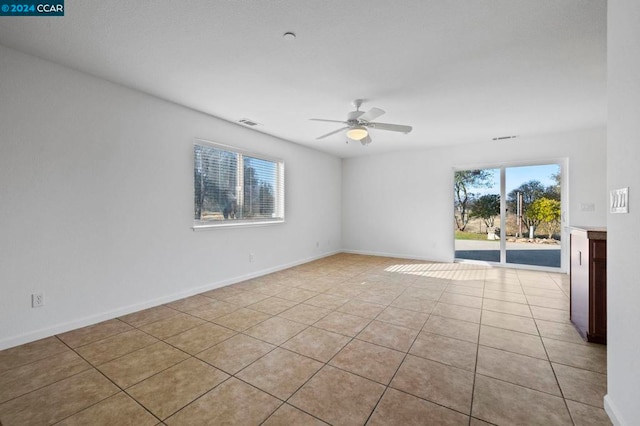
359,122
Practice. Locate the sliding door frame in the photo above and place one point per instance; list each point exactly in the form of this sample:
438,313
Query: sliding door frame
564,204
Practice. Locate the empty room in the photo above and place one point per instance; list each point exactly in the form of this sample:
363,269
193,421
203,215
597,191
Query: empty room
306,213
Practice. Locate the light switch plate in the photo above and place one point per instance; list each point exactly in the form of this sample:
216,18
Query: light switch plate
619,200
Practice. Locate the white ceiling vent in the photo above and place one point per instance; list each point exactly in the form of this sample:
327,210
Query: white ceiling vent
501,138
248,122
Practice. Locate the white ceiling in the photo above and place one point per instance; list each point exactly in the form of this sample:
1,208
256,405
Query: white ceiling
458,71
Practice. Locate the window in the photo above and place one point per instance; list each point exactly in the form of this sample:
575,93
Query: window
232,187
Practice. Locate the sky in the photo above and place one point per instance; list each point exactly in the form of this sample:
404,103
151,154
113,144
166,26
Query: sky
516,176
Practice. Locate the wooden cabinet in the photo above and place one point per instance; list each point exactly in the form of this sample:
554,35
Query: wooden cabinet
589,283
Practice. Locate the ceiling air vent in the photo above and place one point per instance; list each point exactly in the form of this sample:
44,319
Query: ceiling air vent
501,138
248,122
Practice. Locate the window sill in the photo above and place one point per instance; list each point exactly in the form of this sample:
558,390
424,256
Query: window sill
235,224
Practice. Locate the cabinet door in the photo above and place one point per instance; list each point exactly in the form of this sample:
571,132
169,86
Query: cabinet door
580,283
598,293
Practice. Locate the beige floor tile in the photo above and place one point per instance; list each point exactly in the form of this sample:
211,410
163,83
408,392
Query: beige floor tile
189,302
423,293
327,301
288,415
200,338
478,422
57,401
276,330
582,386
227,404
222,293
171,326
506,296
115,346
119,409
512,341
137,366
371,361
509,322
280,372
379,297
338,397
590,356
389,335
552,294
273,305
518,369
30,352
341,323
414,304
212,310
506,307
170,390
361,308
140,318
455,352
245,299
445,385
305,314
547,302
559,331
235,353
550,314
241,319
462,300
403,317
466,290
270,289
399,408
586,415
29,377
449,327
504,403
93,333
297,294
316,343
457,312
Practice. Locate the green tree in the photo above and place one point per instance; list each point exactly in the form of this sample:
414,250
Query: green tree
530,191
486,207
464,182
546,211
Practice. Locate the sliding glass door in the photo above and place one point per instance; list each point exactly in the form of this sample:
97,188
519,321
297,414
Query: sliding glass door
509,215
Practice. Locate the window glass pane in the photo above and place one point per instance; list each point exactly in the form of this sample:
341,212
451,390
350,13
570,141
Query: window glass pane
231,186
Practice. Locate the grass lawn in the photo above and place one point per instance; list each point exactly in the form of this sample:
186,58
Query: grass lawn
460,235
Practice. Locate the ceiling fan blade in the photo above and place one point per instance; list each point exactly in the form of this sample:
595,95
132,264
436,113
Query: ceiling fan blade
366,140
332,133
391,127
328,121
372,114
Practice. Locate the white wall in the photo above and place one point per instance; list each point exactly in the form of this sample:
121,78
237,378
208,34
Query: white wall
623,239
96,201
402,204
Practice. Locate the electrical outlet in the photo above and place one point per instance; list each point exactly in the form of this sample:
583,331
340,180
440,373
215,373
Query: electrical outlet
252,257
317,244
37,300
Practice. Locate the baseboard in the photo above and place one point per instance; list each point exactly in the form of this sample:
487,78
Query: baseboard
613,412
104,316
392,255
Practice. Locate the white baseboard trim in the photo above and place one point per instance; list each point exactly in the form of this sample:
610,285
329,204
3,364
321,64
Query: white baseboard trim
392,255
613,412
115,313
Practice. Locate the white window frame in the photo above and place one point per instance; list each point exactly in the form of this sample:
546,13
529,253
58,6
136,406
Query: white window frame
279,204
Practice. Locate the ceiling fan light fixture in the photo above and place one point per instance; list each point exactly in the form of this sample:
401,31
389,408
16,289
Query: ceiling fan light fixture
357,133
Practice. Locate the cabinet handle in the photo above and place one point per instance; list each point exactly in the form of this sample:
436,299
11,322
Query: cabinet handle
579,257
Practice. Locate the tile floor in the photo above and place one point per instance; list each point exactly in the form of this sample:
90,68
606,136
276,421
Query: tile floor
346,340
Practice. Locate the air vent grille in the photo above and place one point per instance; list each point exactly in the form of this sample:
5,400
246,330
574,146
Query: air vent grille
248,122
501,138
